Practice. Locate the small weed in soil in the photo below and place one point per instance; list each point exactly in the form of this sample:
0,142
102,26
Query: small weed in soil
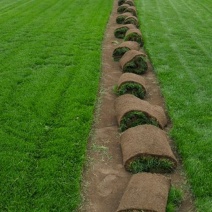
131,88
135,118
151,164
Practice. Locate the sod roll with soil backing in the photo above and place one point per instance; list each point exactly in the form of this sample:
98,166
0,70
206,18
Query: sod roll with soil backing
120,2
132,10
145,192
123,48
130,83
121,31
134,35
130,2
145,148
122,8
132,111
131,20
134,62
121,17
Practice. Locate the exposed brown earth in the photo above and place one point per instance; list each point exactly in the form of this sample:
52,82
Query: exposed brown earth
105,179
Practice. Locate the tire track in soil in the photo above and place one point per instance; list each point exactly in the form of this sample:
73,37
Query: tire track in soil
105,178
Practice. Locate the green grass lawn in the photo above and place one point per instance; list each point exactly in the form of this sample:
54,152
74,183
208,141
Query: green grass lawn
50,53
177,38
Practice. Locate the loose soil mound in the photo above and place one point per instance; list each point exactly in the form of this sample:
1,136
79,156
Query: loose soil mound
120,18
134,62
132,84
123,48
131,20
146,148
134,35
120,32
150,114
145,192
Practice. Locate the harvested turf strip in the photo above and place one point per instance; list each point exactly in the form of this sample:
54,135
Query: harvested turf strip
132,111
123,48
132,10
134,35
122,8
120,18
121,30
131,20
145,192
146,148
134,62
130,83
130,2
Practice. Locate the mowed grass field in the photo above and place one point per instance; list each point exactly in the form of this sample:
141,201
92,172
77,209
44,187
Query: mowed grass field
178,40
50,53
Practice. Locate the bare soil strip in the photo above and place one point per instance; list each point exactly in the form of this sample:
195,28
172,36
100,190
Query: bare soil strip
105,178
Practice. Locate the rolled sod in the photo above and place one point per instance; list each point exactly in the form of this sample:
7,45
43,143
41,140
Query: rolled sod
134,62
120,18
123,48
120,2
134,35
145,148
145,192
131,20
132,111
121,30
122,8
131,9
130,2
130,83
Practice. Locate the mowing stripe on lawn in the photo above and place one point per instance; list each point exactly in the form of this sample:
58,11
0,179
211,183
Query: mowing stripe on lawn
177,37
49,75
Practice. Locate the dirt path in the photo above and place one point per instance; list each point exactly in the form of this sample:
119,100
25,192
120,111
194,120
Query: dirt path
105,178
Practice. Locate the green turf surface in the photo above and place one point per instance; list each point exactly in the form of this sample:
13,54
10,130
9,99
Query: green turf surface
177,38
50,53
